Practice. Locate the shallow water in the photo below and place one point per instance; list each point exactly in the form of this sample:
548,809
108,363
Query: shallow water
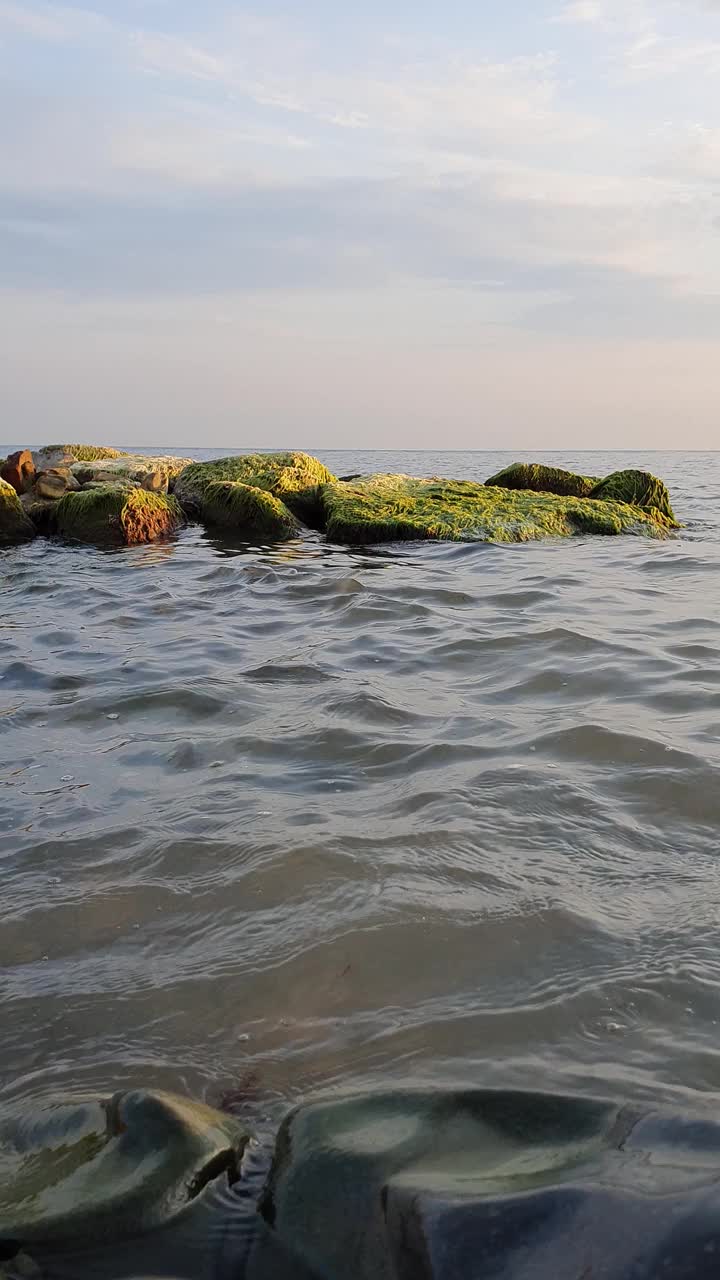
278,819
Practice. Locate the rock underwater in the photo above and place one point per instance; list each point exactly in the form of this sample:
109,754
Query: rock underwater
433,1185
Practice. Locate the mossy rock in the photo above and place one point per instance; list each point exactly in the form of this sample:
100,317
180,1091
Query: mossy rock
115,514
15,525
402,508
248,509
639,488
84,452
295,478
541,479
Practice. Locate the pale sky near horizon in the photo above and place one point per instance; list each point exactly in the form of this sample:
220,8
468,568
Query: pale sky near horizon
456,224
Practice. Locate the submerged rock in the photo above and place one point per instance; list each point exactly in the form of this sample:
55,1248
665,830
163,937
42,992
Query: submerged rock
15,524
18,470
394,508
453,1185
639,488
91,1172
294,478
115,514
542,479
244,507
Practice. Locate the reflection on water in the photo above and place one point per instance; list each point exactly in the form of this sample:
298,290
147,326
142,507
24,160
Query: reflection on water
275,819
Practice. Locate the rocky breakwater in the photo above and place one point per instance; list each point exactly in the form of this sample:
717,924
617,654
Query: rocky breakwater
100,495
92,494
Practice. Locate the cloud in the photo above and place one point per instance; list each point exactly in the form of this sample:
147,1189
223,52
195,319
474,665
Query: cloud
582,11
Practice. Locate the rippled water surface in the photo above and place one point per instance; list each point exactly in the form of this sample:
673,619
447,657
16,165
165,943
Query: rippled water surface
275,819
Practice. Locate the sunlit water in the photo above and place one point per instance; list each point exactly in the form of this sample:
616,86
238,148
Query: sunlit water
289,818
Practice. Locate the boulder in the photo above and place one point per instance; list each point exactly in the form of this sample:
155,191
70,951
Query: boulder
401,508
295,478
248,510
116,514
156,474
55,482
97,1170
156,481
447,1185
19,470
51,455
15,524
541,479
41,511
639,488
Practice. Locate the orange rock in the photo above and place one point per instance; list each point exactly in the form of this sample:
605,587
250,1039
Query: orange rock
19,470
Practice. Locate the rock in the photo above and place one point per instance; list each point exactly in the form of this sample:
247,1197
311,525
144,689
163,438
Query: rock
116,514
395,508
55,482
96,1171
542,479
295,478
41,511
449,1185
247,509
51,455
15,525
19,471
636,487
155,481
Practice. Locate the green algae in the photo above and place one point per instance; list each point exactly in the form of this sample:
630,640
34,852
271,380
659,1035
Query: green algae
638,488
15,525
247,508
403,508
84,452
541,479
295,478
116,514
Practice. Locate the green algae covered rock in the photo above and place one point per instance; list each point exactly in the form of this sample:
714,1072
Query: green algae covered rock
97,1170
395,508
542,479
82,452
117,514
639,488
246,508
294,478
15,524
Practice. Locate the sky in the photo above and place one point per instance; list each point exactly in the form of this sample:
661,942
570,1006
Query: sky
402,224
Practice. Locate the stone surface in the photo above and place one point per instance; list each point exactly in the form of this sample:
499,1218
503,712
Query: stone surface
41,511
55,482
294,478
452,1186
395,508
52,455
18,470
15,525
115,514
95,1170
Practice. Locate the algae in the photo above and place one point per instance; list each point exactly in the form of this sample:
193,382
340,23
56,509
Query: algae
295,478
541,479
84,452
245,507
116,514
638,488
402,508
15,525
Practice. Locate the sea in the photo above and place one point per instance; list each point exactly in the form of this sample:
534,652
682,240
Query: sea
280,820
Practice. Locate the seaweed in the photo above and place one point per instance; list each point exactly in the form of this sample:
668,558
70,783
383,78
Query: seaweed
541,479
246,507
115,514
639,489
